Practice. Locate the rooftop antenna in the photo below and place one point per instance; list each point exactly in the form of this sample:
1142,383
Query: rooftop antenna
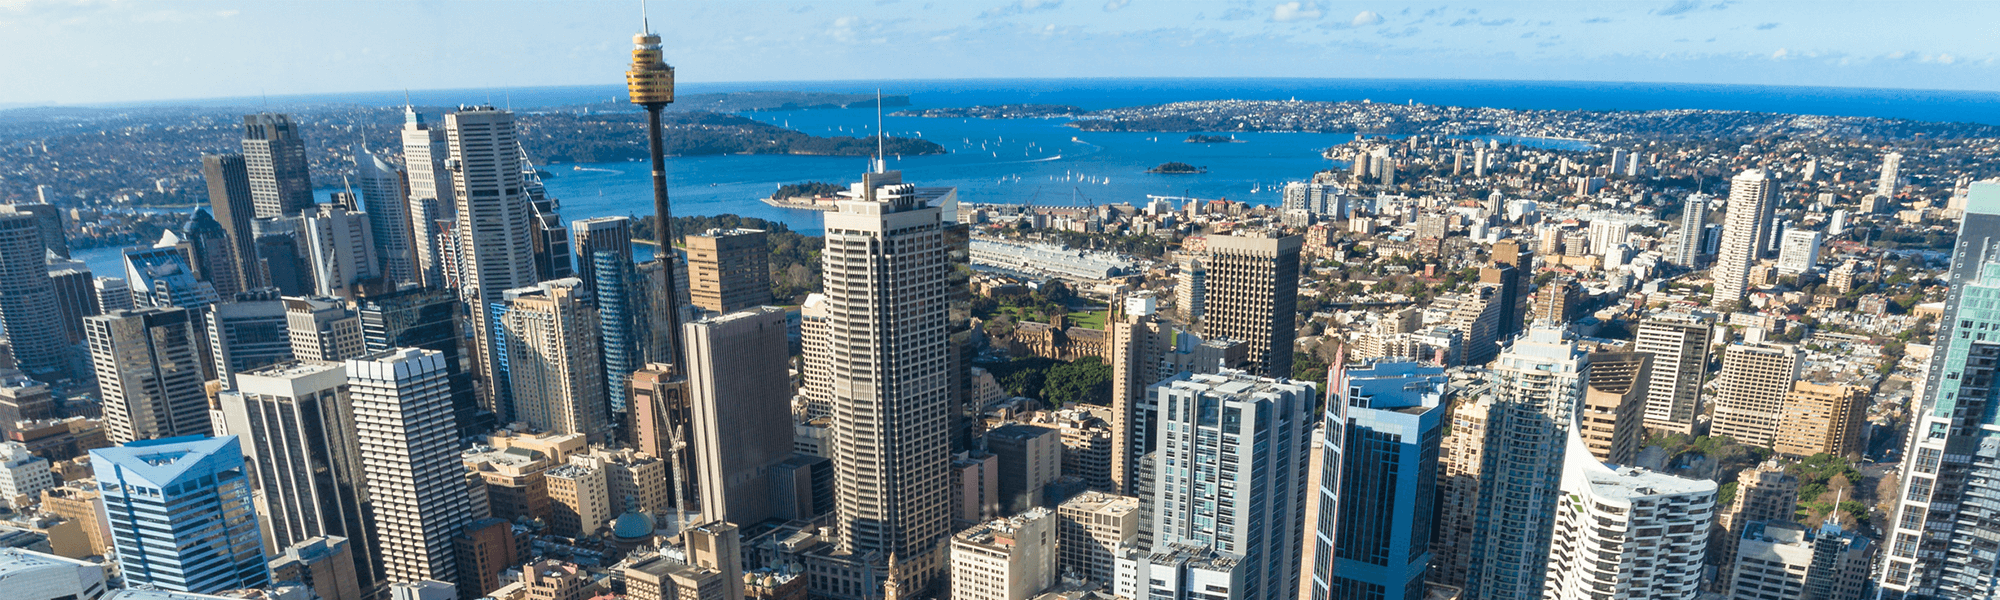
881,160
407,104
645,20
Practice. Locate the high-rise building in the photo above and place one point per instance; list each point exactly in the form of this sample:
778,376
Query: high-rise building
274,159
1146,350
1191,291
23,476
729,269
705,564
247,334
1679,346
209,250
340,246
495,253
1892,164
600,234
426,319
1753,383
1781,560
323,564
580,499
323,329
485,549
112,294
1509,296
38,576
885,282
1030,458
76,298
1005,559
1536,385
430,189
1090,527
283,257
1612,417
1822,418
23,399
229,198
403,421
180,511
49,223
1798,251
1253,288
551,360
298,419
1744,229
1626,529
161,276
741,410
28,310
1374,542
149,373
1694,219
1261,514
385,197
1763,493
624,322
1477,317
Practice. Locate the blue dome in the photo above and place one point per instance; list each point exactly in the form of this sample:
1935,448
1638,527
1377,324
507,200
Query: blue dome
632,525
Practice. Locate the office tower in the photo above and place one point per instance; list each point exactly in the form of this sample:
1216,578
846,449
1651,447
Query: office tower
706,566
975,487
1607,234
729,269
38,576
1555,302
580,499
76,298
815,358
229,198
323,329
386,201
493,229
161,276
741,410
426,319
601,234
1763,493
274,158
1822,418
1885,187
547,235
802,487
485,549
885,282
1262,515
28,310
112,294
23,399
624,324
1694,217
1005,559
1753,384
1191,292
1798,251
551,360
1030,458
1181,572
299,420
1089,529
149,373
207,248
430,191
1679,346
1781,560
1146,350
1614,405
49,224
283,255
1536,385
1252,293
1086,441
180,512
1476,316
1374,541
1509,288
1744,228
324,565
341,249
1626,529
246,335
661,424
23,476
403,419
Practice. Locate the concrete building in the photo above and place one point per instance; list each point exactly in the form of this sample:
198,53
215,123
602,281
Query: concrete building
30,575
1030,458
1536,385
385,197
1377,484
1191,292
323,329
1781,560
247,335
706,564
1086,441
1688,245
1181,572
1822,418
274,158
580,499
1627,532
1090,527
76,297
485,549
80,502
149,373
1460,461
324,565
403,416
29,311
1798,251
1005,559
1146,350
975,487
228,179
1746,224
23,476
1679,347
432,200
1555,302
494,252
554,367
1252,295
1754,381
740,410
1763,493
1612,421
728,269
23,399
340,246
180,512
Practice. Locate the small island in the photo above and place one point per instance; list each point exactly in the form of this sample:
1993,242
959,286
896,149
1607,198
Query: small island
810,189
996,111
1211,139
1177,168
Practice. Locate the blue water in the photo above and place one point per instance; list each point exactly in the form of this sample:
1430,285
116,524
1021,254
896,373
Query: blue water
1040,161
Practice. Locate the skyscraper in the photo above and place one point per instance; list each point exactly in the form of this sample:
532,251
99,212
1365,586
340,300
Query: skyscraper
427,319
1253,286
1655,525
323,329
430,188
1822,418
1536,385
1780,560
1191,291
729,269
1744,229
1694,218
1679,346
1385,470
1612,421
1146,350
741,411
1753,382
385,196
149,373
493,227
403,422
161,276
229,198
211,252
180,513
600,234
553,366
245,335
298,418
274,159
885,281
625,325
49,223
28,309
1892,164
341,249
76,297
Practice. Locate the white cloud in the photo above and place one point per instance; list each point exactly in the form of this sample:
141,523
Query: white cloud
1781,53
1021,6
1113,5
1297,11
1366,18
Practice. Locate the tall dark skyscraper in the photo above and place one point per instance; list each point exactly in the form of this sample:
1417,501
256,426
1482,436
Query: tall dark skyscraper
211,252
1253,290
229,198
28,307
49,221
427,319
274,157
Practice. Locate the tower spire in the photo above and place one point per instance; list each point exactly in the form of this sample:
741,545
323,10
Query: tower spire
645,20
881,158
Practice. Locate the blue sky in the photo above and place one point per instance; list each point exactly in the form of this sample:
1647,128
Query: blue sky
88,51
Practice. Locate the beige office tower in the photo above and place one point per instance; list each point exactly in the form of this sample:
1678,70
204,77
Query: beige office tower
1089,529
1611,419
728,269
274,155
495,251
1822,418
816,366
1459,458
555,369
340,246
1191,292
323,329
1743,229
149,373
706,566
1763,493
430,188
580,499
1005,559
1679,347
740,420
409,444
1146,350
1754,381
1252,295
1626,529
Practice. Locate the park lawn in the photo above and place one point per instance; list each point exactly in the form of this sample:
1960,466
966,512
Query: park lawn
1089,320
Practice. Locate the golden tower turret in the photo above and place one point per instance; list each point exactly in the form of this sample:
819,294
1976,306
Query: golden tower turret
650,81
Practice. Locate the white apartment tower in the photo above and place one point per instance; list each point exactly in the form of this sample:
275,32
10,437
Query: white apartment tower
1892,164
430,191
1537,384
409,445
1679,346
1743,236
496,250
1627,532
1798,251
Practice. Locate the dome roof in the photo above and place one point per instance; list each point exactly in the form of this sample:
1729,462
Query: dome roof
632,525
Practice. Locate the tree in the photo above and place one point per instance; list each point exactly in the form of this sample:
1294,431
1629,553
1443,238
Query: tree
1086,381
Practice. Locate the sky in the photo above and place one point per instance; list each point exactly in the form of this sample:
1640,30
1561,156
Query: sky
102,51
